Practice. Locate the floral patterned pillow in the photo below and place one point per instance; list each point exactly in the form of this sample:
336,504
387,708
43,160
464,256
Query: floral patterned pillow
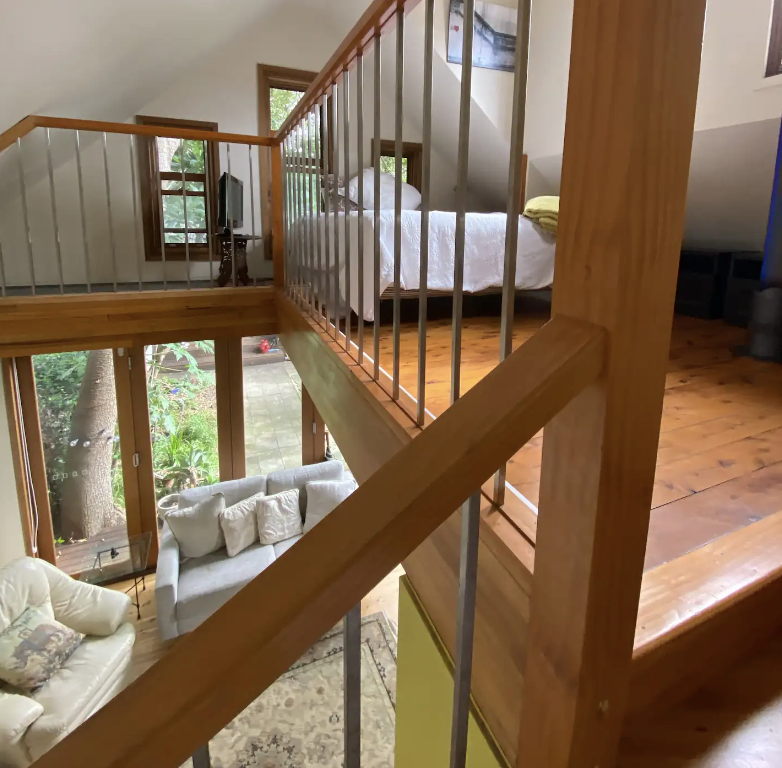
33,648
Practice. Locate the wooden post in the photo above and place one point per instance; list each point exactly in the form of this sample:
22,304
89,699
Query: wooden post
278,234
628,138
313,431
230,407
32,434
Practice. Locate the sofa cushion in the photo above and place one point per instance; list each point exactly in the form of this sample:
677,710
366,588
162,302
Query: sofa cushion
279,517
239,524
197,528
281,547
73,692
285,479
324,497
22,583
17,714
33,648
206,583
233,490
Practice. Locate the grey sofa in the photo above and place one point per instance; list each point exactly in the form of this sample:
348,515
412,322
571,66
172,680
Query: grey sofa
189,590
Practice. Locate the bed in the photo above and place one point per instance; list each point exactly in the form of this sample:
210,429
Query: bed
484,254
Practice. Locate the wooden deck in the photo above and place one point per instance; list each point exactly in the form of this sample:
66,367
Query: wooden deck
719,462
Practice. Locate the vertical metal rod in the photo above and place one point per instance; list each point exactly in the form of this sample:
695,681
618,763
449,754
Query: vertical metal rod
286,218
311,221
134,192
112,245
352,686
376,217
346,177
463,157
82,211
229,210
184,205
338,256
360,226
307,201
201,757
208,211
299,211
327,207
398,124
426,177
162,215
252,198
55,224
465,629
318,246
515,185
25,217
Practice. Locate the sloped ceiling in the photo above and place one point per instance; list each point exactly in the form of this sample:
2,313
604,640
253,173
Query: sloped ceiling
102,59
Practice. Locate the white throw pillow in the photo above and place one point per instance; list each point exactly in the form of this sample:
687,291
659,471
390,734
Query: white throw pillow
238,524
197,528
324,496
411,197
279,517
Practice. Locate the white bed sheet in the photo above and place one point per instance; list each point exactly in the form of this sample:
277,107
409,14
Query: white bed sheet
484,253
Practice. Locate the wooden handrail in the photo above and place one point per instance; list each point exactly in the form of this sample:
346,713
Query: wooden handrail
379,15
219,669
24,126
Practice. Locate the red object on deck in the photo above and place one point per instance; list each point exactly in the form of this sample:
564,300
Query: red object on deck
264,347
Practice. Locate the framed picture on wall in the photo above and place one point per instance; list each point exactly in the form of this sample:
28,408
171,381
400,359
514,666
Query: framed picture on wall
494,41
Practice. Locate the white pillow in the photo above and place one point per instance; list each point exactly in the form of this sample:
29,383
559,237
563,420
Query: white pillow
324,496
411,197
197,528
238,524
279,517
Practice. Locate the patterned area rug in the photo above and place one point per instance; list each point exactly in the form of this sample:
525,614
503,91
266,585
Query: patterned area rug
298,721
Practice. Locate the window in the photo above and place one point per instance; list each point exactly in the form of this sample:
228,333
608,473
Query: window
279,90
161,163
774,62
412,154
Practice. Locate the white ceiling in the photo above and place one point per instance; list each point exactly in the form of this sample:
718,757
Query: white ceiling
95,58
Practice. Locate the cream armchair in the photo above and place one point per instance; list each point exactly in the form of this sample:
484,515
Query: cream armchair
32,724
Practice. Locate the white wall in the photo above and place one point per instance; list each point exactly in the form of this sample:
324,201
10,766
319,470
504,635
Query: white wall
11,539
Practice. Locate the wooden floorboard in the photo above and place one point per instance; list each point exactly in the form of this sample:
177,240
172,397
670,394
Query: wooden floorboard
721,431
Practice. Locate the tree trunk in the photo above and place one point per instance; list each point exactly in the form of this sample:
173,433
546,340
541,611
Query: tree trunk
87,499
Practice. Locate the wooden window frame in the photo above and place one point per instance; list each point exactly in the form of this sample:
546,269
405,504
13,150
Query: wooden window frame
290,80
412,151
149,179
774,58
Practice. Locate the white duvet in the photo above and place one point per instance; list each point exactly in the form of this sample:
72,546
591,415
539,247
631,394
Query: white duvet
484,253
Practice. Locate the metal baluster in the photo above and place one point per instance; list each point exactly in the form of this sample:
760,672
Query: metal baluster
162,215
327,208
465,628
346,164
426,174
112,245
400,78
461,196
229,210
252,198
310,204
184,205
284,149
360,226
2,270
351,638
376,217
306,195
82,212
25,217
208,211
134,192
515,202
202,758
318,245
299,213
55,224
338,257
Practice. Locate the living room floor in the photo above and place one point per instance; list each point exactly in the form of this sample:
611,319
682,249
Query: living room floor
149,648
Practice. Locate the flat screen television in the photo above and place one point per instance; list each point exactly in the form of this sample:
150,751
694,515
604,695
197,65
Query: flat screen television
231,194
